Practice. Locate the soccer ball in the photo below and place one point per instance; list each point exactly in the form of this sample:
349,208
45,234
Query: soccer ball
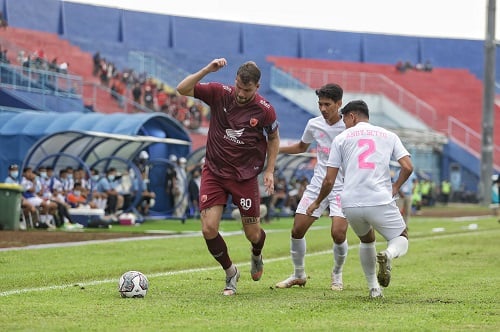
133,284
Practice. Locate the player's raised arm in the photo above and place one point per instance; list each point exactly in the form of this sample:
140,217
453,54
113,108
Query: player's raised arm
186,86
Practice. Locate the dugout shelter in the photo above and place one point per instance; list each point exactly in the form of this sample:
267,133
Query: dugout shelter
91,140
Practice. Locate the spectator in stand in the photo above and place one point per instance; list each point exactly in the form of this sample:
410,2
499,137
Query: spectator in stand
148,97
400,66
137,93
409,65
118,90
195,116
3,22
53,66
96,61
63,67
427,66
3,55
162,98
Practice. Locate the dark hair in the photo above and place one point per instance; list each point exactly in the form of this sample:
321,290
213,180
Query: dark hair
331,90
356,106
249,73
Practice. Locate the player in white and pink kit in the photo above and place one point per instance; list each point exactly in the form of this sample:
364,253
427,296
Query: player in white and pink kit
364,152
322,129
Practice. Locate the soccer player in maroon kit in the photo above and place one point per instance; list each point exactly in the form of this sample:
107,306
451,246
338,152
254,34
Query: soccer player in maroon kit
243,130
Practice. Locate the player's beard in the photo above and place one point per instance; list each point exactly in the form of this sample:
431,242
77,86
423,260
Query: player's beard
241,100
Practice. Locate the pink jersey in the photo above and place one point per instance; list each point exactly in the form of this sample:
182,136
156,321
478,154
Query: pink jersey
237,142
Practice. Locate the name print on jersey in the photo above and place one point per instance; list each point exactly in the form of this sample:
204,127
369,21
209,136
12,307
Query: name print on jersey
364,132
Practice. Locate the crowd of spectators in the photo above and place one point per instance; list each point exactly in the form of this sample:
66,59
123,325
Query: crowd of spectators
148,92
143,90
38,60
404,66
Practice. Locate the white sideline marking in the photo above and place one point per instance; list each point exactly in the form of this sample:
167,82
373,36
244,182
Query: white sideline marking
170,273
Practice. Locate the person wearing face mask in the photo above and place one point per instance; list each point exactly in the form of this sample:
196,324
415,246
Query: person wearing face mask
78,197
99,199
45,181
107,184
29,211
13,176
69,181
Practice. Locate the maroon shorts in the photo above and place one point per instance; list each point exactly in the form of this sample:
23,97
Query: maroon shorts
215,190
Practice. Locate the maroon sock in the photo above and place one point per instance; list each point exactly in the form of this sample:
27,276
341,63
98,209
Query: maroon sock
257,247
218,248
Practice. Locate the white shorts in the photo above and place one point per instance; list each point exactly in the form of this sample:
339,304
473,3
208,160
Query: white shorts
332,201
385,219
35,201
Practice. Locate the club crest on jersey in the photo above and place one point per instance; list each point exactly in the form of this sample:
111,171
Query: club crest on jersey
233,135
253,122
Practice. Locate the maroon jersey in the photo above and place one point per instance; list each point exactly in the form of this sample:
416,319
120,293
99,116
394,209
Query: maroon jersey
237,142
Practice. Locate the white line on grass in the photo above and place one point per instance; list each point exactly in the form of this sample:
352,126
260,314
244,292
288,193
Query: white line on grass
204,269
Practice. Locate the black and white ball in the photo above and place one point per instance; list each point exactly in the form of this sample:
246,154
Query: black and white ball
133,284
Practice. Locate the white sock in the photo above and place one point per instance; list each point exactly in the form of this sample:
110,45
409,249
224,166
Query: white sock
397,247
298,253
339,256
231,271
368,258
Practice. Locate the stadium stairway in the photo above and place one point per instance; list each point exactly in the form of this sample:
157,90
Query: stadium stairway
80,63
453,93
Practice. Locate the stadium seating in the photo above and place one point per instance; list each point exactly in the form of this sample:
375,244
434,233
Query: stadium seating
451,92
189,42
80,62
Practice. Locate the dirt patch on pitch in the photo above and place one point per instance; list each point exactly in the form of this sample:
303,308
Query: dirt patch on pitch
9,239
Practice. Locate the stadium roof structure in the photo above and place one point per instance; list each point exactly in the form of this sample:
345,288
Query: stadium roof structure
92,147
